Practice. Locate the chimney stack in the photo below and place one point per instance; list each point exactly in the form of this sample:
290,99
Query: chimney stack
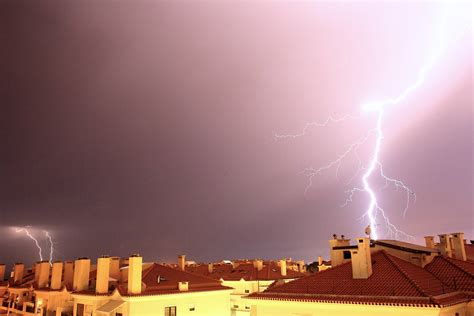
445,245
320,261
301,266
68,274
82,267
429,241
283,267
135,274
337,255
182,262
459,250
115,268
210,268
18,271
183,286
102,279
258,263
2,272
43,274
36,269
56,275
362,260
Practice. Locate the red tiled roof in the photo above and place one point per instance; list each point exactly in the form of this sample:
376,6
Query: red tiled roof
453,273
393,281
469,251
246,271
169,279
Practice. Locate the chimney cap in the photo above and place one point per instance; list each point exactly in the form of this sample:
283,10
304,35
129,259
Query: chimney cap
83,258
104,256
57,261
135,255
18,263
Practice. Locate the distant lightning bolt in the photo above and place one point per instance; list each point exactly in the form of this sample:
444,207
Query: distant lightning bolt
25,230
51,246
326,122
374,209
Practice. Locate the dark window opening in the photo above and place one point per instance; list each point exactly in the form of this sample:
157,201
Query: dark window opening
347,254
80,309
170,311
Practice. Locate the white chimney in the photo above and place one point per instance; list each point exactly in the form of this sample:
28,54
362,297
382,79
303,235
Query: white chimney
362,260
135,274
43,274
36,269
2,272
68,274
337,255
429,241
102,279
301,266
183,286
82,267
283,267
445,245
56,275
459,250
18,271
182,262
257,263
115,268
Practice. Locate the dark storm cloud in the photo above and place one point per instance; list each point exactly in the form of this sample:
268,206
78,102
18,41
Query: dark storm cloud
148,126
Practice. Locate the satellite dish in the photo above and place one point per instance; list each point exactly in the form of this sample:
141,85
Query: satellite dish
368,230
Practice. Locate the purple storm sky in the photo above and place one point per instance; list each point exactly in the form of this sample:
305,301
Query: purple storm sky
141,126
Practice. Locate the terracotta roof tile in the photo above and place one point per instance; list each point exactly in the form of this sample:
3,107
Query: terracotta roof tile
246,271
453,273
393,280
469,251
169,279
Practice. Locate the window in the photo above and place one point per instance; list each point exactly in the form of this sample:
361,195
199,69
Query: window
80,309
247,307
247,291
170,311
192,308
118,314
347,254
236,306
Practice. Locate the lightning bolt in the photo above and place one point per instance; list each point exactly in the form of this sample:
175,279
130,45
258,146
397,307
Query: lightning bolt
37,244
374,209
51,246
27,233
